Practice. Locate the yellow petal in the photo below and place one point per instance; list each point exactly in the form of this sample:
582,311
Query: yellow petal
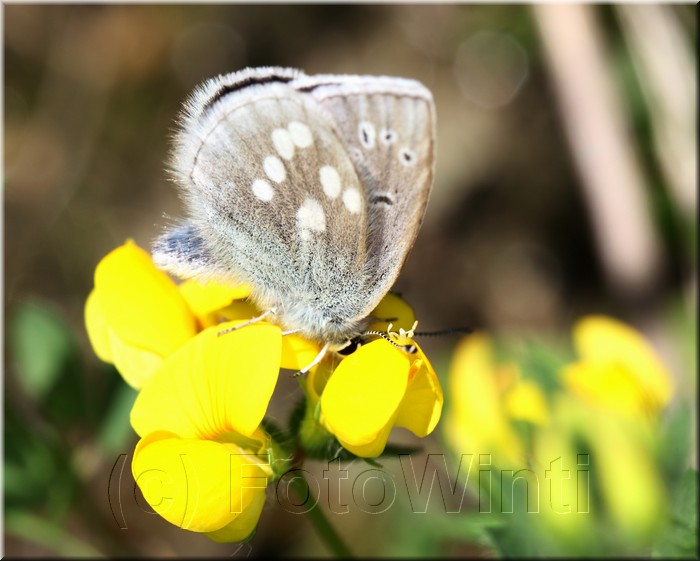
318,377
564,485
392,309
603,339
213,385
422,405
626,487
362,396
633,491
239,310
297,352
477,423
606,384
207,299
97,329
371,449
136,365
525,401
140,303
243,525
199,485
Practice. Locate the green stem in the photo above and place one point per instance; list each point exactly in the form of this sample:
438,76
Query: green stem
323,527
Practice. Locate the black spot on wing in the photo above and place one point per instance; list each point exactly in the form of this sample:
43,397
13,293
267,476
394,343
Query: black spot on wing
383,199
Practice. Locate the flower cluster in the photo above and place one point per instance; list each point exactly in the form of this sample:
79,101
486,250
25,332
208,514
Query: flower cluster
597,414
204,458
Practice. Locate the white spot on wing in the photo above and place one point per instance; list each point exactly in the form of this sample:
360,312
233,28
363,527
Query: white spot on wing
274,168
263,190
330,181
352,200
310,218
367,134
300,133
282,141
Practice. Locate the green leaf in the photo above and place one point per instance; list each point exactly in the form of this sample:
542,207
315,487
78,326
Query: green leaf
274,430
41,344
296,417
431,534
29,472
48,534
679,538
541,362
676,441
38,471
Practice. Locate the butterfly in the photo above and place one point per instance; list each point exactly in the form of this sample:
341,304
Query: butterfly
310,188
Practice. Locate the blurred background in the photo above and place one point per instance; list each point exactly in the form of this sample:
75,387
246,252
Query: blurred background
566,184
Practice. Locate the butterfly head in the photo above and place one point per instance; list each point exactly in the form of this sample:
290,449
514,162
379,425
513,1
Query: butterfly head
322,324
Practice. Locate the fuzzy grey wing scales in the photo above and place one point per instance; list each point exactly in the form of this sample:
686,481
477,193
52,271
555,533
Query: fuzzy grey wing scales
388,128
272,192
182,251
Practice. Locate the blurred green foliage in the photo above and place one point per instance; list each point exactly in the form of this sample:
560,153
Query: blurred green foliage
679,538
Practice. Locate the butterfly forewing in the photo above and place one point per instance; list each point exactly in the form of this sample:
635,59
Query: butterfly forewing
387,125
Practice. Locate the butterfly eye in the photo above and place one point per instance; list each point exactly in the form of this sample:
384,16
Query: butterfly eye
350,348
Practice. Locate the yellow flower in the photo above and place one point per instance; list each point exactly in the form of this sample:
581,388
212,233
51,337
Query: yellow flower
377,387
478,422
136,316
618,369
139,319
615,389
589,458
202,462
206,301
618,459
525,401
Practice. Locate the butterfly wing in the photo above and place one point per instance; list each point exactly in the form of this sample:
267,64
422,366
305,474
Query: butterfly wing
388,128
181,250
274,198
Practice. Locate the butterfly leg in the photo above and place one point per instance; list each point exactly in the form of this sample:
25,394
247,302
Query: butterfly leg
249,322
314,362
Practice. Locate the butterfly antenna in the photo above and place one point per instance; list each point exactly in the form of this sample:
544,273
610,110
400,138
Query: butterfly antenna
246,323
407,348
